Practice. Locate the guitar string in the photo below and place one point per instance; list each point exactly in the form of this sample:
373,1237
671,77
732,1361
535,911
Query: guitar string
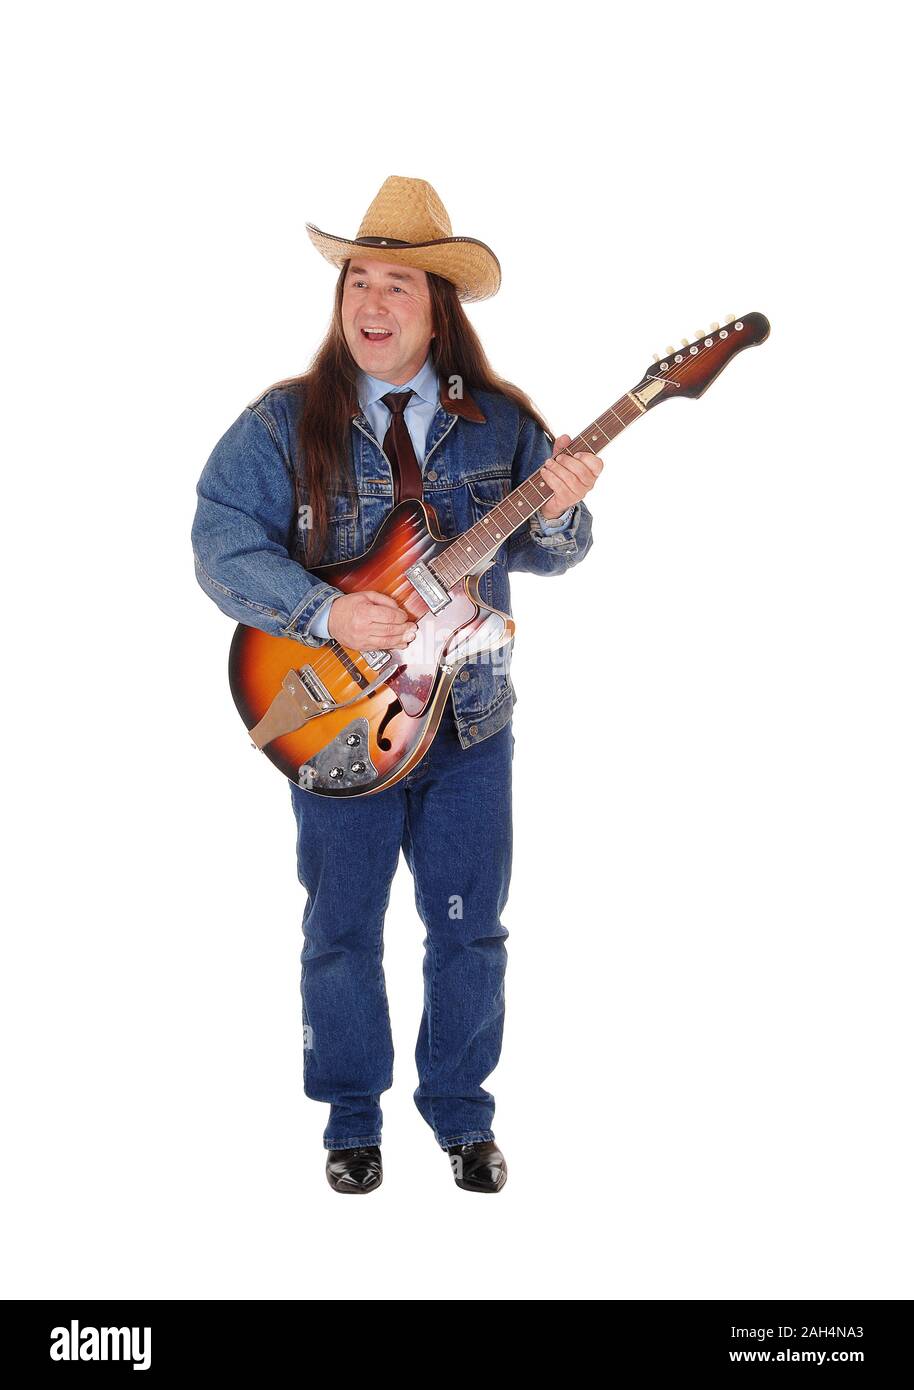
327,660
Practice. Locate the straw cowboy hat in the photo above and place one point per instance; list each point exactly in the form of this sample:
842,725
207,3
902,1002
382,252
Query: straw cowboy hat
407,224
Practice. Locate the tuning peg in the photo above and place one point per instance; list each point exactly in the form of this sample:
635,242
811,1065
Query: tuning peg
699,332
729,318
670,350
656,357
714,327
684,341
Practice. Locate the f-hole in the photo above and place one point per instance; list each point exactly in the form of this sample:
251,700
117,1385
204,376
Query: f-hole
393,709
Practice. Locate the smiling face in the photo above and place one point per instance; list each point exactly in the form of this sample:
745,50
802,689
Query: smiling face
387,318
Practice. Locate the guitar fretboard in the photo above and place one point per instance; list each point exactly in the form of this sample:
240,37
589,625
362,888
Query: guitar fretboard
465,555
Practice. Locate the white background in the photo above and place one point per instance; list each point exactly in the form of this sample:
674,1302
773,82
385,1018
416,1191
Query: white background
705,1084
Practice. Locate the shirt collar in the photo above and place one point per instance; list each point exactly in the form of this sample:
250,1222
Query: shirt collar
424,383
426,386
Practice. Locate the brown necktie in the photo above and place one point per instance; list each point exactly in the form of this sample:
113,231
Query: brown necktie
398,446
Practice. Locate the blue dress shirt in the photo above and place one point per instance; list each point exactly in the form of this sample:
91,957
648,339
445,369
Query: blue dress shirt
418,414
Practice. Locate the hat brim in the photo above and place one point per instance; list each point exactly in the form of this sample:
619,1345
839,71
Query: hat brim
470,265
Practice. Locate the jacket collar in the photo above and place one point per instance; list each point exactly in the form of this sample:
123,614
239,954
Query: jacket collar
466,408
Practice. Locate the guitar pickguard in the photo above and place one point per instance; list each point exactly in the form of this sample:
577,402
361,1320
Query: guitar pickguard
453,634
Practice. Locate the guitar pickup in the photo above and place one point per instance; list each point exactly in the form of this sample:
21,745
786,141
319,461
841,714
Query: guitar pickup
376,659
427,587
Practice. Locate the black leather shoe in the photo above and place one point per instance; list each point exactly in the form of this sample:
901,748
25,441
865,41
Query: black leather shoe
354,1170
479,1167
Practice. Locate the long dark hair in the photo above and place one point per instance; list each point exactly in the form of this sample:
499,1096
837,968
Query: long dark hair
330,391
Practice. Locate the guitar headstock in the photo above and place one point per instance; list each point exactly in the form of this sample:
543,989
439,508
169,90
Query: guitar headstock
689,370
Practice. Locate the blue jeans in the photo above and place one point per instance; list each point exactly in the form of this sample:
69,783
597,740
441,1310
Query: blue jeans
452,817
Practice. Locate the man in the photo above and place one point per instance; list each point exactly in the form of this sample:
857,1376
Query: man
399,401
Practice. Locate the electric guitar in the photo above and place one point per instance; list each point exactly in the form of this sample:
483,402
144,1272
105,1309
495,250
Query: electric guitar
348,723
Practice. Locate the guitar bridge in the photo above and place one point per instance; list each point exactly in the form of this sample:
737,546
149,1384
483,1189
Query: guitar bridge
315,686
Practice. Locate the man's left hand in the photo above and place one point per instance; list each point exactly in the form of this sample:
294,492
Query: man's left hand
571,477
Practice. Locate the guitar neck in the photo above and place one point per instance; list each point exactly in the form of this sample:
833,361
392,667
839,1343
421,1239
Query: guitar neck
475,547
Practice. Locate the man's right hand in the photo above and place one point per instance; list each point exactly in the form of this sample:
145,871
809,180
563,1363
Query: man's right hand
369,621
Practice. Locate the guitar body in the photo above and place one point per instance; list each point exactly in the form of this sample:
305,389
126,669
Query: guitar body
365,718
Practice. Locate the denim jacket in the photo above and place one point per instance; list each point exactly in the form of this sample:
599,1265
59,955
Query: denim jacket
248,544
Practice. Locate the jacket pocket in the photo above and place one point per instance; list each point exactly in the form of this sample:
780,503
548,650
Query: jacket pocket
486,493
342,530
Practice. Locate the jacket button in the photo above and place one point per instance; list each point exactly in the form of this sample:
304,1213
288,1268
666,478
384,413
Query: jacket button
431,475
474,728
464,675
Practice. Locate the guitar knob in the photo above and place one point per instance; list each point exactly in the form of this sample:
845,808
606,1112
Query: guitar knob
336,773
353,739
358,767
